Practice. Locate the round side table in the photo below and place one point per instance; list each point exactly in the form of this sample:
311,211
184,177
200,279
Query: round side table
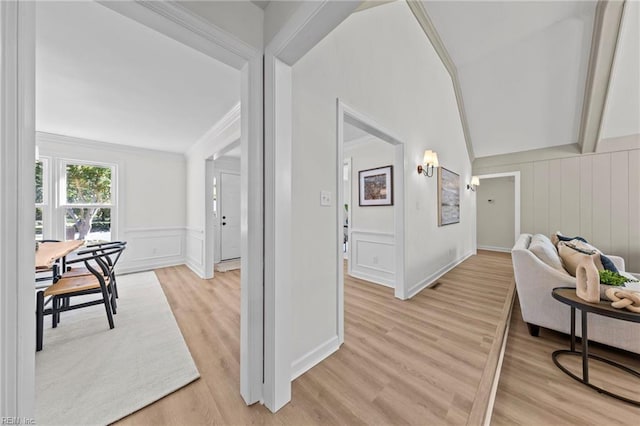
568,296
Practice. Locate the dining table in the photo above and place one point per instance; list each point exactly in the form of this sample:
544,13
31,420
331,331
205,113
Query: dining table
48,253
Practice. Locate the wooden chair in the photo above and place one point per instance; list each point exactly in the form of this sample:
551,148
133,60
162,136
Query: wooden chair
110,259
98,282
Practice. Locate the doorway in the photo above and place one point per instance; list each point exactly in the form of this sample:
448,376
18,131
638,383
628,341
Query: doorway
223,182
229,193
391,242
498,211
369,226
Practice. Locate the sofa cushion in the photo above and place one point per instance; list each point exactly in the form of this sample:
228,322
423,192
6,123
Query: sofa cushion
544,250
574,252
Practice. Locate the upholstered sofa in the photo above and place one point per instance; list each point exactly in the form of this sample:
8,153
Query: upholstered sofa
536,278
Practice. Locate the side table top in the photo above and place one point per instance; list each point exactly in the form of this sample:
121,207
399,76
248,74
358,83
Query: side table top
567,295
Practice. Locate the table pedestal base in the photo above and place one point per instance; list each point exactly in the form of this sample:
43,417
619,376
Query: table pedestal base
619,366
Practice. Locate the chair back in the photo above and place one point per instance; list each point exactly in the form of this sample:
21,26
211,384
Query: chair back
101,260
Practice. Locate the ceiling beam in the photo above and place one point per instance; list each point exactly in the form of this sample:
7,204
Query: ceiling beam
368,4
417,7
606,30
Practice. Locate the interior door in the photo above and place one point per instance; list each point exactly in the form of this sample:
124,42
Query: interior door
229,216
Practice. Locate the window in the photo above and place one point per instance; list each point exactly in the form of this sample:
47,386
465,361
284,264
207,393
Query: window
42,199
87,201
215,197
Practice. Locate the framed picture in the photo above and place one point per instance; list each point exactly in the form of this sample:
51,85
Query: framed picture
448,197
376,186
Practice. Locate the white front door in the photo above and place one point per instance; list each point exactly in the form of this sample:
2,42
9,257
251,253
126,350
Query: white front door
229,216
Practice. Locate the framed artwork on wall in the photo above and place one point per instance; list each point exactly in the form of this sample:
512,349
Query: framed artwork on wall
376,186
448,197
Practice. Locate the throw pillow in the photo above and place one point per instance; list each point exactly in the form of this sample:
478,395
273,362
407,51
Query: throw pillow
574,252
558,236
545,251
608,264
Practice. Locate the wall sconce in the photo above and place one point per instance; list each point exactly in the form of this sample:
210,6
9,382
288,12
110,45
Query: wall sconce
429,162
475,182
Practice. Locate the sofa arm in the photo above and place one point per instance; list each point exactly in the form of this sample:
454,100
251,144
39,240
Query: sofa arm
618,261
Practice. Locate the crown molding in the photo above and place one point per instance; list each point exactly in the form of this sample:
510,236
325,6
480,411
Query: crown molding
44,137
230,119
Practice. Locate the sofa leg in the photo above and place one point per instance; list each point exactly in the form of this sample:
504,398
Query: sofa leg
534,330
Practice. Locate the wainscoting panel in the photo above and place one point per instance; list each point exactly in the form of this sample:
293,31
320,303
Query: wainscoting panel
151,248
195,250
373,257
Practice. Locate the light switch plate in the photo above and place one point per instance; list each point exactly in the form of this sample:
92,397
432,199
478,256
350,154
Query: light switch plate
325,198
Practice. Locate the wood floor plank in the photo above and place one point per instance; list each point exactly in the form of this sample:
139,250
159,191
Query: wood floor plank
403,362
533,391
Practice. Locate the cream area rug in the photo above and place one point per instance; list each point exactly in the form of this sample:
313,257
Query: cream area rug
228,265
87,374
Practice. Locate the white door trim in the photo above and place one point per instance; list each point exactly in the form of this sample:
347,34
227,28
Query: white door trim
348,114
516,187
309,24
17,209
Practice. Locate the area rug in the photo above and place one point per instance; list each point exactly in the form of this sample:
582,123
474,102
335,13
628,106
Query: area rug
228,265
87,374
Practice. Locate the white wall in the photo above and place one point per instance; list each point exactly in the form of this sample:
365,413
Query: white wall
496,218
151,197
380,63
198,200
369,155
372,229
595,196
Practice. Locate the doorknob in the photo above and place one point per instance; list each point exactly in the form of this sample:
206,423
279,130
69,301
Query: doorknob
224,223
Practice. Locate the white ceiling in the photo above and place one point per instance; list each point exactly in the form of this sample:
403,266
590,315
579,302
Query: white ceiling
522,68
104,77
262,4
622,111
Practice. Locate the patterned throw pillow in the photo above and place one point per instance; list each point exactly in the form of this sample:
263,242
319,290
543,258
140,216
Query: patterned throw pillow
604,260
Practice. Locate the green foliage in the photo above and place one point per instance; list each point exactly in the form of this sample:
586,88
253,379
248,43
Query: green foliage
613,279
88,184
39,187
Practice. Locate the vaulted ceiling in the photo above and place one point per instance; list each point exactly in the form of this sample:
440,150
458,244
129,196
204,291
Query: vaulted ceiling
522,68
105,77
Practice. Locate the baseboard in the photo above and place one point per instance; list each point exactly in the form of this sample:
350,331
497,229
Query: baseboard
197,269
431,279
371,278
313,357
493,248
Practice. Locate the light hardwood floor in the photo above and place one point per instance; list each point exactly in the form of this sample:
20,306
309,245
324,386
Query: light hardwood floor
413,362
533,391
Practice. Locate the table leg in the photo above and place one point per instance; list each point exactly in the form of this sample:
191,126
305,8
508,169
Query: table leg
585,349
573,329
